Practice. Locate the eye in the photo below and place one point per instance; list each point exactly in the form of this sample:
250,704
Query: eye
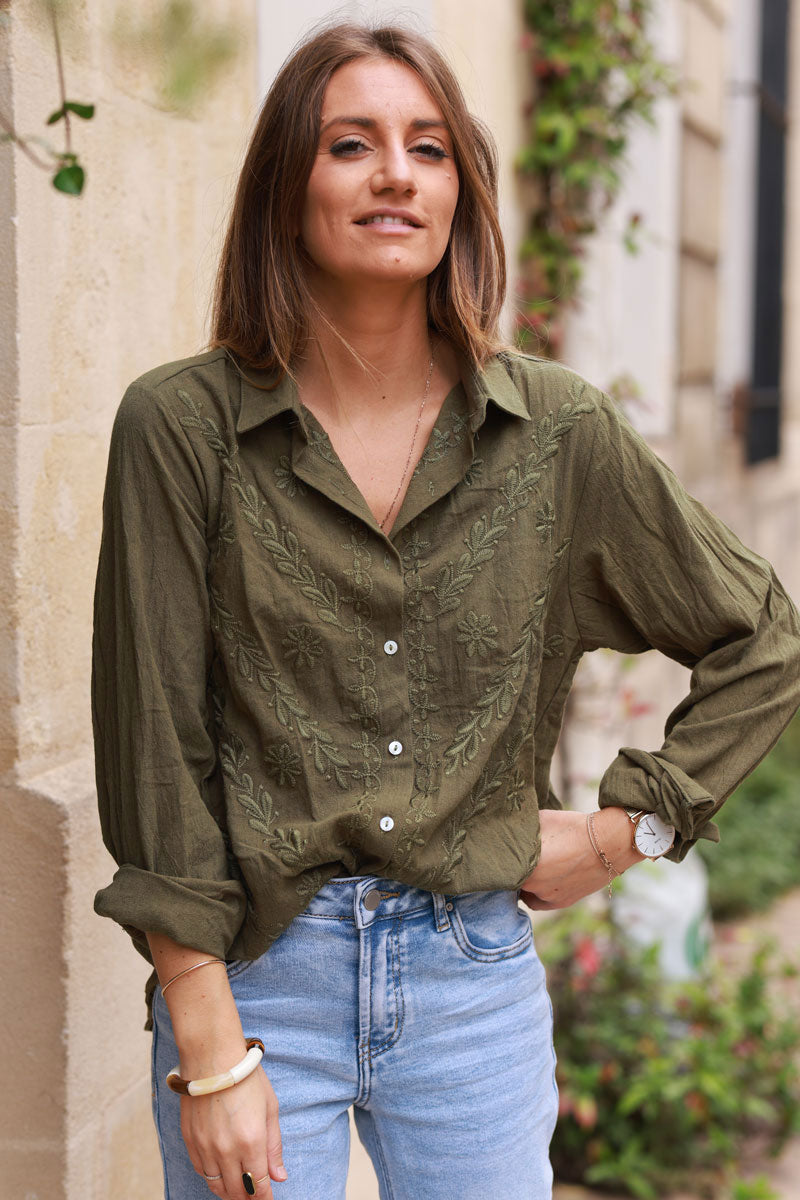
348,146
431,150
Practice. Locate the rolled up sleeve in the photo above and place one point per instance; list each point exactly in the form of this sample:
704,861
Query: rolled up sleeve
651,567
155,754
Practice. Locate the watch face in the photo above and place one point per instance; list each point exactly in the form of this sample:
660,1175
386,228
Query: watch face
653,836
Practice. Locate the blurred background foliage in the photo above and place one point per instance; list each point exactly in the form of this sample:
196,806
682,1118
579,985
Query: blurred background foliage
661,1085
758,857
593,72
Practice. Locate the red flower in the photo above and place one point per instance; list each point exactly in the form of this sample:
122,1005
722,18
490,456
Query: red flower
588,957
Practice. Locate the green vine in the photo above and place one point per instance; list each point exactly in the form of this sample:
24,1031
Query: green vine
594,71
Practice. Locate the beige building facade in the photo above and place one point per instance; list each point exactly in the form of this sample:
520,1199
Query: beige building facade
96,290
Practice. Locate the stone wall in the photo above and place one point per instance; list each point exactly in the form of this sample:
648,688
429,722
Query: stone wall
93,291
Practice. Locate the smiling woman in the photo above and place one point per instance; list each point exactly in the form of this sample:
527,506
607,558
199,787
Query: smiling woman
351,557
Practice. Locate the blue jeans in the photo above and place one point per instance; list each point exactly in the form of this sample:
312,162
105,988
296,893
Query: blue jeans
427,1013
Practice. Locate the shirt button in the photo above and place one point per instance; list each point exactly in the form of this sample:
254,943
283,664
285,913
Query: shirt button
395,748
387,823
390,647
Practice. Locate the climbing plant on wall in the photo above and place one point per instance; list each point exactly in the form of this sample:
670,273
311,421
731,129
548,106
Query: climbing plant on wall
594,71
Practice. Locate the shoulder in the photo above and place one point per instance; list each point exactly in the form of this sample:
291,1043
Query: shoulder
157,400
546,384
558,399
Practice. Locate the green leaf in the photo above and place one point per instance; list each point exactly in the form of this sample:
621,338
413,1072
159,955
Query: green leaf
69,180
86,111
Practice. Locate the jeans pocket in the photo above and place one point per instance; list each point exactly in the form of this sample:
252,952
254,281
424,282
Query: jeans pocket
490,926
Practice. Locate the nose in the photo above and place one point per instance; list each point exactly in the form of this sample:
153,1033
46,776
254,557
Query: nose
394,170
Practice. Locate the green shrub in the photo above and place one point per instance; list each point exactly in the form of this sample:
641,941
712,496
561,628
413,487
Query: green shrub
658,1083
758,857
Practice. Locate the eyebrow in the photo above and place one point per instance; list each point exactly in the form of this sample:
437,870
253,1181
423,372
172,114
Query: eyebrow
369,123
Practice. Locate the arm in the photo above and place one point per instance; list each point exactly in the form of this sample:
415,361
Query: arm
651,567
158,781
176,891
235,1126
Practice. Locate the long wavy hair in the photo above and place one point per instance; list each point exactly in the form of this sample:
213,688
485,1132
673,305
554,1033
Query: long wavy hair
262,307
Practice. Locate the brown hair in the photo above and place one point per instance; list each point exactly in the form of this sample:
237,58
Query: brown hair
262,305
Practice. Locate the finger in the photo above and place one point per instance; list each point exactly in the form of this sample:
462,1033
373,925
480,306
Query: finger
214,1181
537,904
259,1182
274,1142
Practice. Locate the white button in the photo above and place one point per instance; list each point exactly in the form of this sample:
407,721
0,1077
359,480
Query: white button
395,748
387,823
390,647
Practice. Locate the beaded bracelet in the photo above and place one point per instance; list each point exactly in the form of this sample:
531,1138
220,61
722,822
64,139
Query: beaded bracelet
218,1083
609,866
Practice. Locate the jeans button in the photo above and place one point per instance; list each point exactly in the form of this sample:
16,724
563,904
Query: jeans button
372,899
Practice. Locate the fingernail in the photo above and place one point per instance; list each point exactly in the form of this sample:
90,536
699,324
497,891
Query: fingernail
281,1172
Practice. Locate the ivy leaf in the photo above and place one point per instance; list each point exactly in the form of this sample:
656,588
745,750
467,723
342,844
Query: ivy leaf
70,180
86,111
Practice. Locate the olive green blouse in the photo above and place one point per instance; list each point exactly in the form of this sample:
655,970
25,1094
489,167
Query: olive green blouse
282,693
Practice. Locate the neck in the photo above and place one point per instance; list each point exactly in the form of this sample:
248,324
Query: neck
386,327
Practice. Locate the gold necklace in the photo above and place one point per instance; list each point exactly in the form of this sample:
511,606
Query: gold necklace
413,443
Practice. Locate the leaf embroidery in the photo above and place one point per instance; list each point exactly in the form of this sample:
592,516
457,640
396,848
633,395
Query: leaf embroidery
499,696
254,666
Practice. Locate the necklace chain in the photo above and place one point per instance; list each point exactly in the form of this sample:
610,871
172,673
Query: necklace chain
413,443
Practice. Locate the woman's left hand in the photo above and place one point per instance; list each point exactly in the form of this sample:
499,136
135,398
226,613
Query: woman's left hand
568,867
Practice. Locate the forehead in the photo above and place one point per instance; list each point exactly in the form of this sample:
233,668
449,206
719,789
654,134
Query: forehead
377,85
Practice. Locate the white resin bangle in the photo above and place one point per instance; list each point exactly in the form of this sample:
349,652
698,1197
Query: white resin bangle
218,1083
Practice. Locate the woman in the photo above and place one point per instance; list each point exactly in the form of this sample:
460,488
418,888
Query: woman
351,557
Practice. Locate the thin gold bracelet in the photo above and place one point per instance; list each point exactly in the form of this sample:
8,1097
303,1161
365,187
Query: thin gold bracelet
609,866
205,963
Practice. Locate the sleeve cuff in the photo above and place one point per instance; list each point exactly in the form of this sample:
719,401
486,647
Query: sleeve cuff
205,914
639,780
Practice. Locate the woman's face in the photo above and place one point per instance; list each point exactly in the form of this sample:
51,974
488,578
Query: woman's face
384,152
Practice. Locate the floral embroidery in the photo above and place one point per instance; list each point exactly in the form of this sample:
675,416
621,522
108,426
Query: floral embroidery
442,441
283,546
286,479
256,802
283,764
477,633
368,709
498,698
545,520
321,444
553,646
473,472
254,666
520,479
421,679
302,646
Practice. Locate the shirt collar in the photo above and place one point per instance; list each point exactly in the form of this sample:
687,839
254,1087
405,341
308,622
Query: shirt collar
264,395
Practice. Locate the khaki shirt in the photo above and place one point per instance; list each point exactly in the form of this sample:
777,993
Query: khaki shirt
282,693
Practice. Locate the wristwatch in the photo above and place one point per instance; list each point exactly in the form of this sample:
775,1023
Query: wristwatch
652,837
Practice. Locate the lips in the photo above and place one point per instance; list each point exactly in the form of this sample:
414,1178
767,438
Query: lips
389,218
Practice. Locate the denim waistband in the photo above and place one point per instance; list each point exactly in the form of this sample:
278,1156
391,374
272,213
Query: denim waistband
364,899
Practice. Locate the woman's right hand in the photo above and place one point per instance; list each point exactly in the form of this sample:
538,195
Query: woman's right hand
233,1131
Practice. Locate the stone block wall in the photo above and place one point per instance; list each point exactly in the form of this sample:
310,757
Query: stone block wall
93,291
